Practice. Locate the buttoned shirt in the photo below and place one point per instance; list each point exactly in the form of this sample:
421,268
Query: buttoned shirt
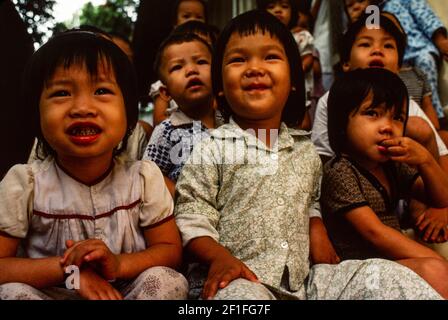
252,199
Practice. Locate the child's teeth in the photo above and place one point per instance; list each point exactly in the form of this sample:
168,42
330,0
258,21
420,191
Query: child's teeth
84,131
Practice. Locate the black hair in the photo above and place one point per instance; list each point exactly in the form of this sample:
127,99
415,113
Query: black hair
94,29
250,23
78,48
388,22
176,8
198,28
175,38
263,4
351,89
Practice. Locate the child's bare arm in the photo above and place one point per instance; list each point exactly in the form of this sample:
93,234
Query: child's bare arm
39,273
164,249
440,39
307,62
321,248
387,240
433,183
224,267
429,110
160,107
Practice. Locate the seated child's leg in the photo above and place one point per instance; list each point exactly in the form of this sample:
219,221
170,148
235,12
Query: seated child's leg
157,283
21,291
419,130
242,289
375,279
427,63
434,271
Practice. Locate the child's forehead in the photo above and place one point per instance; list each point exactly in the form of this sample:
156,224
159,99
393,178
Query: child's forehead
183,49
376,33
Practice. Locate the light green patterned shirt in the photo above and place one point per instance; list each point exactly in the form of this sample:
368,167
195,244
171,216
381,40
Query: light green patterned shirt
253,200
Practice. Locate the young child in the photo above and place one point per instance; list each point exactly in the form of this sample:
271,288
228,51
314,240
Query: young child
187,10
183,64
82,205
162,107
246,193
372,171
384,48
416,81
287,12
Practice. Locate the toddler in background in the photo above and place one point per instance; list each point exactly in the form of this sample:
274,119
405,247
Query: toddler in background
183,64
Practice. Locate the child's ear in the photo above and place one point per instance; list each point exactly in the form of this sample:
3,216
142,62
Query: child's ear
164,94
346,67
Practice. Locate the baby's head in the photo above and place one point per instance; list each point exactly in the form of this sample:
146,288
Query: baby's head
355,8
257,71
81,89
205,31
365,46
366,107
186,10
183,64
285,10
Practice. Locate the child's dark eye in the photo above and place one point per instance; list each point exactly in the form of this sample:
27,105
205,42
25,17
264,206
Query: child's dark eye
399,118
102,91
272,57
202,61
175,68
371,113
364,44
236,60
60,93
389,46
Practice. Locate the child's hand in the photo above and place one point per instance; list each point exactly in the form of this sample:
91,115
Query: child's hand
222,271
441,41
321,248
432,225
94,252
406,150
93,287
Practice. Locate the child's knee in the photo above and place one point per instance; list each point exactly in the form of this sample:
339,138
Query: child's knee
245,290
418,129
160,283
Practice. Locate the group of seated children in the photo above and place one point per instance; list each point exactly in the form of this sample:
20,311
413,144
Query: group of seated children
256,215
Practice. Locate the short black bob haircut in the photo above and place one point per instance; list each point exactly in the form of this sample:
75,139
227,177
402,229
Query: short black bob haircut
388,22
351,89
263,4
175,38
200,28
77,48
176,8
250,23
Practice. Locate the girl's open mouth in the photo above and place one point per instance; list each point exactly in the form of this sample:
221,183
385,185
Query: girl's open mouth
84,133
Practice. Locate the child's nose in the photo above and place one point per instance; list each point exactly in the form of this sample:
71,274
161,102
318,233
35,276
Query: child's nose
386,127
254,70
191,70
82,108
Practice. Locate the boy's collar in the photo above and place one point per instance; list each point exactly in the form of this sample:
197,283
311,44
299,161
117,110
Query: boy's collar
178,118
285,138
